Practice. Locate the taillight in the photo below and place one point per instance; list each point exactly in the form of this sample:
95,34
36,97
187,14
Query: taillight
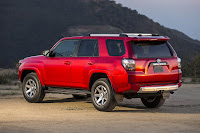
179,62
128,64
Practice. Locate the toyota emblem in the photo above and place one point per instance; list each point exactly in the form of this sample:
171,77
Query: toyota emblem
158,60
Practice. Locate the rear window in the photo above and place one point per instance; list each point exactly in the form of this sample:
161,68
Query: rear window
151,49
115,47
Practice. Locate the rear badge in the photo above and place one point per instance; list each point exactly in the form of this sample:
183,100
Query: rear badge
158,63
158,60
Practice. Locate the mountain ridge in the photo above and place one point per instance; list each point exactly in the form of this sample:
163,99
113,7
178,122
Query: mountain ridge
28,27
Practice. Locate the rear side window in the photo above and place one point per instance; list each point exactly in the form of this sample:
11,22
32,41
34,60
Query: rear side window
65,48
88,48
115,47
151,49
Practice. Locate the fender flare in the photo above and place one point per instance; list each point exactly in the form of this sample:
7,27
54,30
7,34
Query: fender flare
108,75
37,72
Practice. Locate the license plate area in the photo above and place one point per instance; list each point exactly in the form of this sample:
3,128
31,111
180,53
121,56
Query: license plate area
158,69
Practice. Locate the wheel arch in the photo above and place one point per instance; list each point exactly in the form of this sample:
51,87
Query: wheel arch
30,70
102,74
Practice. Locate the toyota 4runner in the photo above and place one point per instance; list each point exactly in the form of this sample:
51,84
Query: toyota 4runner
111,66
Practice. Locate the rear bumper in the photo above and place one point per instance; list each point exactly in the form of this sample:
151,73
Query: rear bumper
150,88
155,89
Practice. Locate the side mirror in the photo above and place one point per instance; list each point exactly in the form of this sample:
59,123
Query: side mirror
46,53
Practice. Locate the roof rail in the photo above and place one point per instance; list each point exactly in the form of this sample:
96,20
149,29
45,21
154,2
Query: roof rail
124,34
140,34
115,35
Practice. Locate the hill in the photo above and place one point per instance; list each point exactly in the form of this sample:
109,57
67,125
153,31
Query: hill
30,26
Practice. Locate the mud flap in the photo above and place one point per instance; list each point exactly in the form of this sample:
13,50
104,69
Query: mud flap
119,98
165,95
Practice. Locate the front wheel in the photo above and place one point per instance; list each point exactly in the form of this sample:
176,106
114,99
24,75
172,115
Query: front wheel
32,89
103,95
153,102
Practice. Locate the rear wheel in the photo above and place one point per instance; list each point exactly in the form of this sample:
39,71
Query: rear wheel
103,95
153,102
32,89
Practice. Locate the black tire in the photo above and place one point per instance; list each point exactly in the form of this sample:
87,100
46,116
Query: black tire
106,97
32,83
153,102
79,96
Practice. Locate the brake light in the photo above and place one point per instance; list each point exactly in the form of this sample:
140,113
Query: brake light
128,64
179,62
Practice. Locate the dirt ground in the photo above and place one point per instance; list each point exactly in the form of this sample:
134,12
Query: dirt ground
62,113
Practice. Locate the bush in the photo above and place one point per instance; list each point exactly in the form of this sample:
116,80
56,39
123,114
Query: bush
191,66
8,79
3,80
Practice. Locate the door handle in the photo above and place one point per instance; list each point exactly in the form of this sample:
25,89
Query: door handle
90,63
67,62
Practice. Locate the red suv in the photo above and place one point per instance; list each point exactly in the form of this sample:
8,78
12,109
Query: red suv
111,66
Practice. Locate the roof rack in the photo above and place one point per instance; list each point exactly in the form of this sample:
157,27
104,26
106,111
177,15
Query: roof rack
140,34
115,35
124,34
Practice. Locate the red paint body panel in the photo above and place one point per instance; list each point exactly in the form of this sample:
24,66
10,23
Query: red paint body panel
57,71
34,63
75,72
81,69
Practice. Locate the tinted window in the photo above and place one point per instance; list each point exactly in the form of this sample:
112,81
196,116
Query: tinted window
115,47
88,48
65,48
153,49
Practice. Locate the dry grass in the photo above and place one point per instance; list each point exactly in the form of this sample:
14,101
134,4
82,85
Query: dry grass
8,76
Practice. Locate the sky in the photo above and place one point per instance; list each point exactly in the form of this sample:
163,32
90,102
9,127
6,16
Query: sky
182,15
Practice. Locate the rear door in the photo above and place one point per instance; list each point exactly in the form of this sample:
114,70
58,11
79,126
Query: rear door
84,62
155,62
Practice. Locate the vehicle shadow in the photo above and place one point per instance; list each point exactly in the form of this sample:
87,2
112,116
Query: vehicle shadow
64,100
137,107
140,108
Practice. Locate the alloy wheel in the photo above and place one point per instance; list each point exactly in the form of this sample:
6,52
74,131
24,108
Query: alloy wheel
100,95
30,88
